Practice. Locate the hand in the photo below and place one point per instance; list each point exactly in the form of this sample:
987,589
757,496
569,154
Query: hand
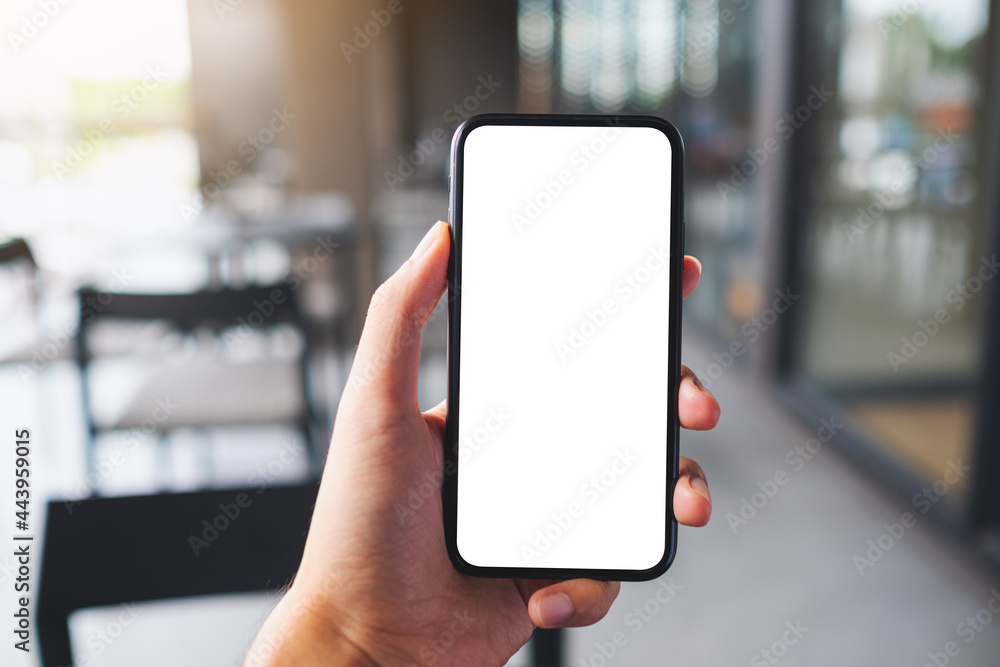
376,585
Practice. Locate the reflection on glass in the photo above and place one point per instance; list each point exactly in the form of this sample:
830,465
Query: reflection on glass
609,81
701,47
655,51
691,62
895,232
535,31
615,54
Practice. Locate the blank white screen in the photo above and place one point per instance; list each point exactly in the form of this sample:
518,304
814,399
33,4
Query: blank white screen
563,436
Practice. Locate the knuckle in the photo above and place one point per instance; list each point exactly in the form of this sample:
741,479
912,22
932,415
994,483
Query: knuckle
384,295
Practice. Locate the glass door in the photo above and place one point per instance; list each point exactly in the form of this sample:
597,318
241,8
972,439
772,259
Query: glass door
894,250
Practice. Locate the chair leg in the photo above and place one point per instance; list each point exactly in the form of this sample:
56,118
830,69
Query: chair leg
165,468
547,648
308,423
308,428
208,459
90,446
91,461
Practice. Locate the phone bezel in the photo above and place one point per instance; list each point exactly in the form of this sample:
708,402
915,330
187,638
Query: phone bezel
449,489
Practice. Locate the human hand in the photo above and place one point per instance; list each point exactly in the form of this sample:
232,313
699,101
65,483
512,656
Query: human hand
376,585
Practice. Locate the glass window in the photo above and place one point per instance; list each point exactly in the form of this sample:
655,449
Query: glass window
94,122
895,229
693,63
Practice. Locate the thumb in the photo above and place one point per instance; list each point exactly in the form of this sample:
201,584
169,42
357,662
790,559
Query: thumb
388,356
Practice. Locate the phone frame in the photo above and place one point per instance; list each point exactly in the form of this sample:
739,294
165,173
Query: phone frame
449,489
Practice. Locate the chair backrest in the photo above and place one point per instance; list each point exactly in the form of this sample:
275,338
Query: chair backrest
219,309
16,250
258,307
105,551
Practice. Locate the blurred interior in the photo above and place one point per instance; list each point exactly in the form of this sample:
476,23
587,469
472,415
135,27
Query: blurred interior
838,153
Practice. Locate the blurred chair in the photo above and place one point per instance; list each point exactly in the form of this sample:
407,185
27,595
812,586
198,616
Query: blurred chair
20,275
232,378
16,250
106,551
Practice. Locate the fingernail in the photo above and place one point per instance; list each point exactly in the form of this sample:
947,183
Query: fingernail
700,486
425,243
708,393
697,383
555,609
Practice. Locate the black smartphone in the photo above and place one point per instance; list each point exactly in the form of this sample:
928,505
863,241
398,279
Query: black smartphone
561,446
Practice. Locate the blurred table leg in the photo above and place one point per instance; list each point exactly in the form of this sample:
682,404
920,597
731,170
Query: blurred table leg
547,648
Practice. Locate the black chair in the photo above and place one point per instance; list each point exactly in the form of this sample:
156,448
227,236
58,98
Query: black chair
16,249
105,551
210,394
17,259
16,252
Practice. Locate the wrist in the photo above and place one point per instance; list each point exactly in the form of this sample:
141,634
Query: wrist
297,633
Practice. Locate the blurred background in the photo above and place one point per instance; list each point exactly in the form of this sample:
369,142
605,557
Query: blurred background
198,198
